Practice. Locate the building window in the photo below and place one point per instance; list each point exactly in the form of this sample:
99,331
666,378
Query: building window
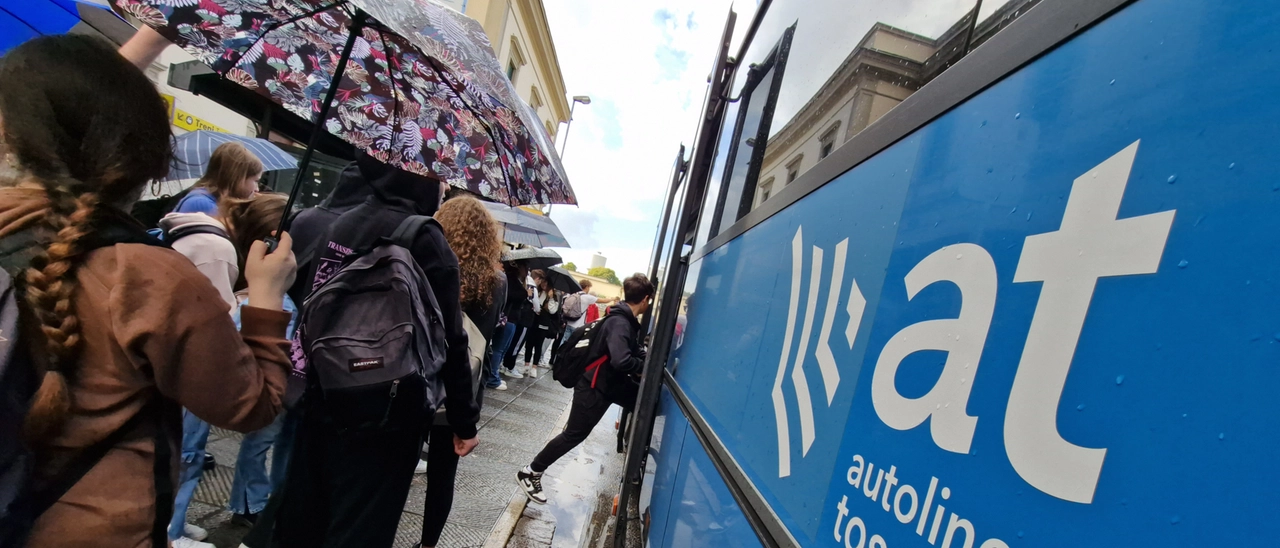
793,169
766,190
828,141
515,60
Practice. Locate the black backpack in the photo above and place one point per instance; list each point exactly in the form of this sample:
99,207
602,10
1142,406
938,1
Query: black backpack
578,354
24,497
372,330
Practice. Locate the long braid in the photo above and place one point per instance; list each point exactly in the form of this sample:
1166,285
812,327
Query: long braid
51,285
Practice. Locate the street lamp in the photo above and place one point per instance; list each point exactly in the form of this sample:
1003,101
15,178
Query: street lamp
576,99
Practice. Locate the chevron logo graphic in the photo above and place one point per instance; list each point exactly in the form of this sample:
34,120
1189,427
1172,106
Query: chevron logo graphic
827,365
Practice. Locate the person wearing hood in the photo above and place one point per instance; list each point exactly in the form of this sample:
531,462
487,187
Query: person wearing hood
347,488
309,225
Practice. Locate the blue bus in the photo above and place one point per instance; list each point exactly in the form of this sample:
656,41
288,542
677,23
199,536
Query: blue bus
947,273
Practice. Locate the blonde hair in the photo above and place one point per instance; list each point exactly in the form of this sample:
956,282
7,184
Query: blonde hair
229,166
473,236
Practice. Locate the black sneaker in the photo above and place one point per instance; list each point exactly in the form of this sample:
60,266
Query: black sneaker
209,462
532,483
247,520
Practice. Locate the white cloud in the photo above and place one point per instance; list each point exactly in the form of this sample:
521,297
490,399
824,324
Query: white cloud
645,65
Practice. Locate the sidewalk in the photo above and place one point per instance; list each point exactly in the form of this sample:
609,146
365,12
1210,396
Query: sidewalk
514,425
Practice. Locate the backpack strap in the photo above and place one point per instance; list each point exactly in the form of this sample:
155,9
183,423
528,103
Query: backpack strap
409,229
44,497
184,231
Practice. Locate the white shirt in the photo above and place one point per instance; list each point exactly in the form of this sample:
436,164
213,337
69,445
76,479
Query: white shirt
588,300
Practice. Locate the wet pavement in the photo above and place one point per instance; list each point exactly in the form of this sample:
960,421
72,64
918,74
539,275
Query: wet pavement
514,426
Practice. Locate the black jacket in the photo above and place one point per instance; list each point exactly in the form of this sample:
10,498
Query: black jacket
619,339
397,194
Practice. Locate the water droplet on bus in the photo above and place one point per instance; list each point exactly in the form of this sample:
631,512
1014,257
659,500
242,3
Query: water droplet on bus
1016,116
1172,178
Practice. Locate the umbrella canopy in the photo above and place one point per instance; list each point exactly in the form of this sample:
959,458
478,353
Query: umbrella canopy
394,101
533,257
525,228
192,151
460,44
560,280
22,20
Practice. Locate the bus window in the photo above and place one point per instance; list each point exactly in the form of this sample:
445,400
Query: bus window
852,62
751,134
706,216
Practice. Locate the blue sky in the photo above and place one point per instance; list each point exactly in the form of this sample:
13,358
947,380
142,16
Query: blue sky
645,65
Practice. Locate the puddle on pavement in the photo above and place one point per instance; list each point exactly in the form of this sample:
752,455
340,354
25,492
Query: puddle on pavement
572,491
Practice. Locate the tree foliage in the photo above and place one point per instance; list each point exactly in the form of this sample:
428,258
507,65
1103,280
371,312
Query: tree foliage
605,273
571,267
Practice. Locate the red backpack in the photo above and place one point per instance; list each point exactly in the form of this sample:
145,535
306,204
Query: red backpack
593,313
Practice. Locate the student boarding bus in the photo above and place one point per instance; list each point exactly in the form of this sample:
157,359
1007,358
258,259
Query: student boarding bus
958,274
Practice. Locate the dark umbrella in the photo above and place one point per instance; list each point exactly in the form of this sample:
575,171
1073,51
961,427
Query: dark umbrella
525,228
533,257
561,280
396,102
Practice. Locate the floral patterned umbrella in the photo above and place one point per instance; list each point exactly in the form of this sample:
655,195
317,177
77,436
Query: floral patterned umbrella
411,106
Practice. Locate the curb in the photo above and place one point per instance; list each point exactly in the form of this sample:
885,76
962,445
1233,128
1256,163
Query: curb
501,532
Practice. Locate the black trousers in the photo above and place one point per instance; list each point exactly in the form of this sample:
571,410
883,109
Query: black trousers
442,469
534,344
347,487
588,407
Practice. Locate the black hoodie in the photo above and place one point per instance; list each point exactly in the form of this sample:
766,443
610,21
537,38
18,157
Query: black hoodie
309,225
395,195
619,339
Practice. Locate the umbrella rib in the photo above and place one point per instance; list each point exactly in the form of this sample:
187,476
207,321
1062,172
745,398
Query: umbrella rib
21,20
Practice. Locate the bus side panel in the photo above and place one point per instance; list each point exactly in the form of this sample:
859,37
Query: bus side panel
1055,321
691,506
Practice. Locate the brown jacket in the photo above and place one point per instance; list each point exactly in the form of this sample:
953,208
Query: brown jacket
150,322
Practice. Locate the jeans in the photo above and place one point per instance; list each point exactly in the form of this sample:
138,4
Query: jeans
501,341
195,435
251,486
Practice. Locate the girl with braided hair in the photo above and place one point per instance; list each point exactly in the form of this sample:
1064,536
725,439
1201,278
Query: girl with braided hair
117,329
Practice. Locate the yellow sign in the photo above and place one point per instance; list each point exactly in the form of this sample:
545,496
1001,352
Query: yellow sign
189,122
168,103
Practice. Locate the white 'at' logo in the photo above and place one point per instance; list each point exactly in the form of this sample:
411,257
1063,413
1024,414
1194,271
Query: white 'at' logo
1092,242
826,360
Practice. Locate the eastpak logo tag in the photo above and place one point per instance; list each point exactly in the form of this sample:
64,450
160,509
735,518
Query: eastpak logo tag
364,364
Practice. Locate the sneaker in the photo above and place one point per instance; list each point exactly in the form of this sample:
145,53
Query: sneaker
209,462
532,372
422,467
512,373
532,483
188,542
246,520
501,386
193,532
